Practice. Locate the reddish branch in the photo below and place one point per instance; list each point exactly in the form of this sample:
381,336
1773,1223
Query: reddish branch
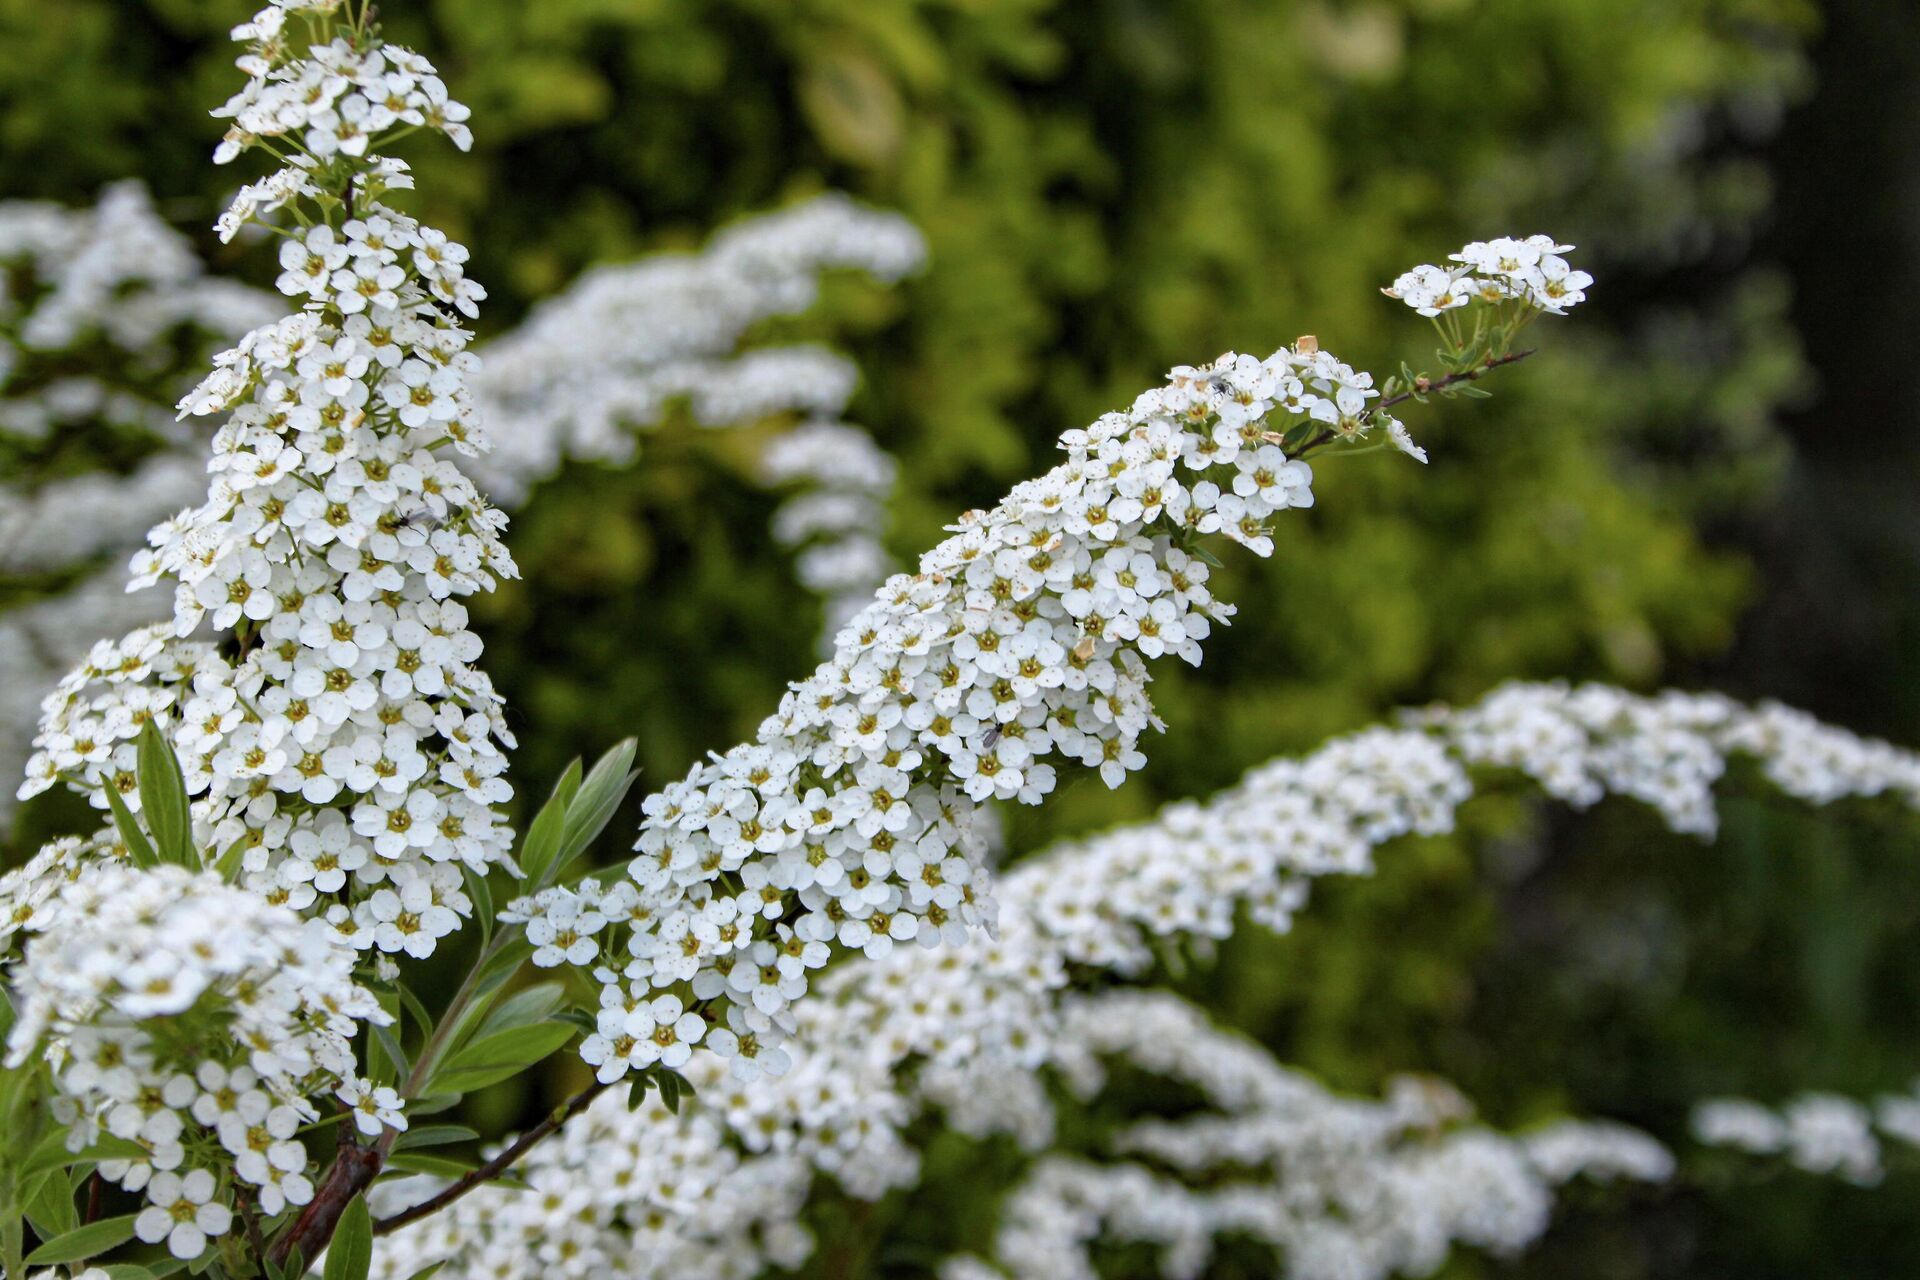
353,1171
494,1167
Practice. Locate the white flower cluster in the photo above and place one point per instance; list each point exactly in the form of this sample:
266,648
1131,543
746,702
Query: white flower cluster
343,734
1668,751
1820,1133
669,1198
140,975
977,1031
330,100
1495,271
1021,642
121,274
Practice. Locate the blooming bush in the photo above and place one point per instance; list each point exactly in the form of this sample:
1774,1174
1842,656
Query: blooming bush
301,779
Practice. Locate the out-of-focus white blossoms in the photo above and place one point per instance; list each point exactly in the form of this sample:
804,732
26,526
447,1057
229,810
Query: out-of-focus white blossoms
1019,645
978,1032
1495,271
1338,1187
182,1015
103,312
1820,1133
626,345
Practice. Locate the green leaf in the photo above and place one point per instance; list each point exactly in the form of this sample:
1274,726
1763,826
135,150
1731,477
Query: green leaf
496,1057
84,1242
49,1153
488,979
523,1007
428,1270
50,1205
107,1147
163,797
394,1054
599,799
350,1256
415,1010
137,843
129,1271
482,902
431,1105
434,1135
542,843
436,1166
230,862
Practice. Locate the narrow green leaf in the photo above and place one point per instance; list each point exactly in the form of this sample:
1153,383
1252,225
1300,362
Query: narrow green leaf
106,1147
599,799
428,1270
523,1007
84,1242
350,1256
670,1091
542,842
233,859
496,1057
434,1135
137,843
50,1205
49,1153
395,1055
431,1105
163,797
482,902
415,1010
490,978
128,1271
435,1166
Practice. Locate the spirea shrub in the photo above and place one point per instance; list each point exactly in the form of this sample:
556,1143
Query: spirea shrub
219,1046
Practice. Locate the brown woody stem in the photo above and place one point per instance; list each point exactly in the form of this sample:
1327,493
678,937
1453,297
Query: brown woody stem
353,1170
495,1167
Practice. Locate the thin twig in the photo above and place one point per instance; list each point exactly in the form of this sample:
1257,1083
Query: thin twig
495,1167
1454,378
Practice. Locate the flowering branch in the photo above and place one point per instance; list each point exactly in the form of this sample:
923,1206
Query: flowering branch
984,1034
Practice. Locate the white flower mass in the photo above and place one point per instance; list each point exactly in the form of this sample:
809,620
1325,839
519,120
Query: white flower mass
809,930
980,1033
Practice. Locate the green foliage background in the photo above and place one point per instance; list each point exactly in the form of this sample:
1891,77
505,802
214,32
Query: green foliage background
1110,187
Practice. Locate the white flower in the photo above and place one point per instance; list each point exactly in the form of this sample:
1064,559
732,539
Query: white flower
374,1108
181,1213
